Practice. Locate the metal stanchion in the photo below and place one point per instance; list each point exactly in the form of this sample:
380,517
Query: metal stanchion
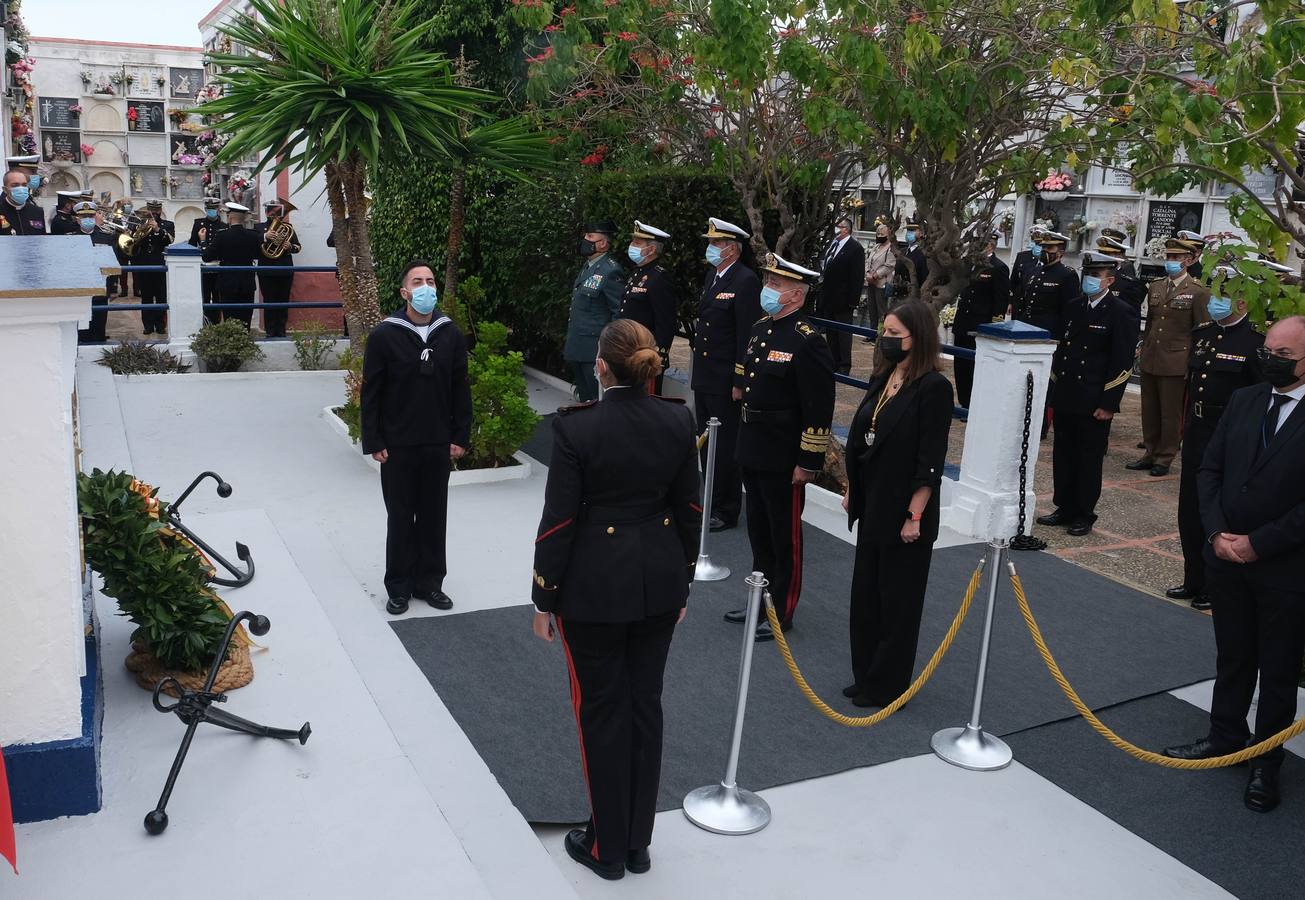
971,747
706,570
725,808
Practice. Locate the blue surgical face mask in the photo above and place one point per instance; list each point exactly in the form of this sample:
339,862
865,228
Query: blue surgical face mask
1033,247
86,225
910,237
1036,250
210,213
1091,285
424,297
1173,267
20,195
714,254
770,302
1219,308
34,183
635,254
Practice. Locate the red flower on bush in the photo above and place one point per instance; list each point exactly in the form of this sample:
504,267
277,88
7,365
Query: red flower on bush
543,57
628,36
596,158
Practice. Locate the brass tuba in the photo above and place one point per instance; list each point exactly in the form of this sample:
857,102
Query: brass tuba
279,232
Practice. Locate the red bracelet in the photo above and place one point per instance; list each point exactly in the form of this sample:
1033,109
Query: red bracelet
914,517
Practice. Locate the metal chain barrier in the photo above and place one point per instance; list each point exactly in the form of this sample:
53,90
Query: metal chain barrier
1023,541
1101,728
924,676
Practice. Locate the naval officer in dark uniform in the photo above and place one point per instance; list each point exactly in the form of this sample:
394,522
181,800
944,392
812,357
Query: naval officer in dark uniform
202,232
614,559
907,275
1127,286
1089,373
234,245
1047,293
63,221
416,418
984,299
1223,359
729,304
19,213
150,252
788,403
1025,263
649,297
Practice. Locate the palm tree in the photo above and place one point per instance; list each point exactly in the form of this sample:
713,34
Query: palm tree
335,86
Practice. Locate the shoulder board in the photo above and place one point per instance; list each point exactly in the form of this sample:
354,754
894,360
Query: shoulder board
567,410
759,321
806,330
679,400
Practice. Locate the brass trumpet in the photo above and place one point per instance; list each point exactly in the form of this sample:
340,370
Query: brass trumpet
279,232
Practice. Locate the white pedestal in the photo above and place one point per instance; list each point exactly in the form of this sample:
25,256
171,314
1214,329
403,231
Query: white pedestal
185,297
984,503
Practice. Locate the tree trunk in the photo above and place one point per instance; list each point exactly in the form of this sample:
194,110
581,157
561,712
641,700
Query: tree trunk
353,252
457,229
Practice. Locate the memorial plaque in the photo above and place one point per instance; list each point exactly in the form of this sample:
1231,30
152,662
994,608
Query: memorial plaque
1165,217
186,185
1116,180
149,116
181,150
59,112
103,81
147,81
1260,182
147,150
185,83
149,183
61,146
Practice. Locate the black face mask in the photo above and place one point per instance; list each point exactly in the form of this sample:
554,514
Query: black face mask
587,247
881,239
892,349
1279,371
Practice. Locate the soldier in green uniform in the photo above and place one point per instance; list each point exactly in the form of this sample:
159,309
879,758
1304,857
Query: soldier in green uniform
595,301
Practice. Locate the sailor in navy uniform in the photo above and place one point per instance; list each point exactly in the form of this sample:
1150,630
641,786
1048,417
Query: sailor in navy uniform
1027,261
614,560
904,275
729,304
1089,373
1051,288
1127,286
788,404
1223,359
19,213
649,296
63,221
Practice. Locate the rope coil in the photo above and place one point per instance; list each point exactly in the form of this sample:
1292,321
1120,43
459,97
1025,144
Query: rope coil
1101,728
916,685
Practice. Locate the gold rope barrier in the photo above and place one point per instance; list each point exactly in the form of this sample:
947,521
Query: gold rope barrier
1213,762
702,438
925,675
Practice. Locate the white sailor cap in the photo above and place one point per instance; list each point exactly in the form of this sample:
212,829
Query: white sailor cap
719,229
236,207
782,267
24,162
1097,261
1107,244
1277,267
643,230
1190,236
84,206
1052,238
1224,270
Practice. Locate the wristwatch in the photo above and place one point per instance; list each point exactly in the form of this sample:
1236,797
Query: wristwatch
914,517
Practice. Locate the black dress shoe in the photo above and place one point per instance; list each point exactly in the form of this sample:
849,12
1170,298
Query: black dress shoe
1051,519
396,606
764,633
638,861
1159,471
737,616
1202,603
437,599
1182,592
1202,748
870,701
1262,789
578,848
719,524
1079,528
1141,445
851,690
1140,465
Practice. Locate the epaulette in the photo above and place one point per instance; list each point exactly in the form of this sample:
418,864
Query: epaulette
806,330
679,400
567,410
1209,324
759,321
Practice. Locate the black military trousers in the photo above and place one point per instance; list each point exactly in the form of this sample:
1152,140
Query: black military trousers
616,693
727,489
209,290
1196,437
94,333
840,342
963,368
1257,632
275,290
1077,453
415,485
888,586
153,287
775,506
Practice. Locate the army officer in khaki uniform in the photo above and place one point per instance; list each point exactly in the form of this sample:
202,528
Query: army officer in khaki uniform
1176,304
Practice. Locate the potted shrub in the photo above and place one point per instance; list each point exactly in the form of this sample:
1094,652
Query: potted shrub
501,417
224,346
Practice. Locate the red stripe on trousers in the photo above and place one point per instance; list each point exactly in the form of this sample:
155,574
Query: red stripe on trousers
576,700
795,579
554,530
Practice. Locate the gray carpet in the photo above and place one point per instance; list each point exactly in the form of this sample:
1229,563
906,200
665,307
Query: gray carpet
1196,817
508,690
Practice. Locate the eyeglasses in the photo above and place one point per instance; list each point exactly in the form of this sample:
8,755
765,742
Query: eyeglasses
1265,354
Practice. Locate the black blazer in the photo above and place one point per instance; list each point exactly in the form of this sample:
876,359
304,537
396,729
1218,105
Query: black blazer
909,451
843,279
618,539
727,310
1261,496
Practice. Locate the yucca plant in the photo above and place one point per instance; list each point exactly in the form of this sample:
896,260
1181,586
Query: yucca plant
335,86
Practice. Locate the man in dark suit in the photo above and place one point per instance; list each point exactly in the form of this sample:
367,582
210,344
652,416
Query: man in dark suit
235,245
1252,485
984,299
843,276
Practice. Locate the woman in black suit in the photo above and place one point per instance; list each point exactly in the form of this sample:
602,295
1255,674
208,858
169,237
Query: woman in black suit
614,560
895,454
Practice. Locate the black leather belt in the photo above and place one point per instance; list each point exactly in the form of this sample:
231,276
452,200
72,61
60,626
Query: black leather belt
1203,410
769,416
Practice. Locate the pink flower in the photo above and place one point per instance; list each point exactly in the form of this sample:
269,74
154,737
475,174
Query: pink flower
628,36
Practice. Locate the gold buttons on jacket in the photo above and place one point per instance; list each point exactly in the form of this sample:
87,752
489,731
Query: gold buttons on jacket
611,530
666,521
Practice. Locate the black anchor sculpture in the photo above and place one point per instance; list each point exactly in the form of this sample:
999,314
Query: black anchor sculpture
240,578
195,707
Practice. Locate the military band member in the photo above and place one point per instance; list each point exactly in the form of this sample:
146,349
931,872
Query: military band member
19,213
1127,286
788,404
907,275
202,232
1175,305
1026,261
1089,373
595,301
649,296
984,299
275,286
235,245
416,419
153,286
63,221
729,304
1223,359
87,216
614,559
